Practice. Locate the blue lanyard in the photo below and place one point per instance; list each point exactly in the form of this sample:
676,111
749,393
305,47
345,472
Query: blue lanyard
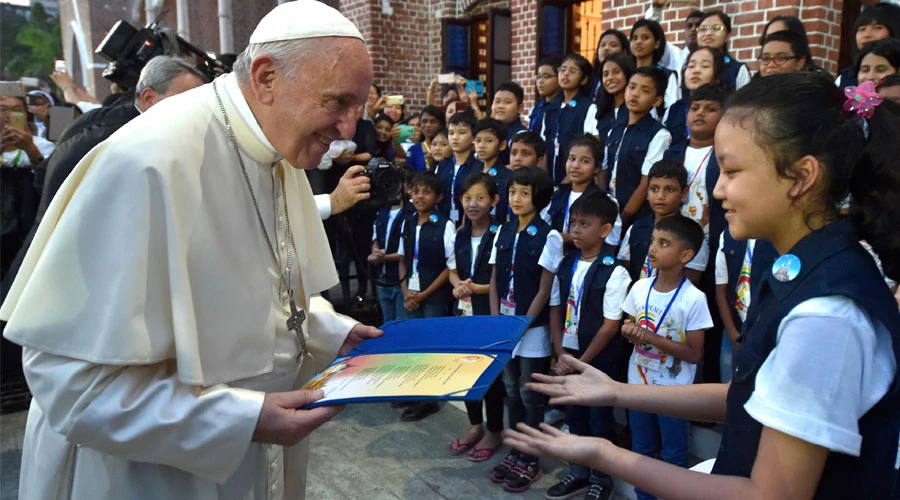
578,291
537,115
512,265
649,267
416,250
668,306
453,183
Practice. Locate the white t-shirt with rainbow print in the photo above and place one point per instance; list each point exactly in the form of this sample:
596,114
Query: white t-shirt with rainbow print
648,365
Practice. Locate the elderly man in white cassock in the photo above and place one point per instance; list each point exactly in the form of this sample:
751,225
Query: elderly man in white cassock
168,307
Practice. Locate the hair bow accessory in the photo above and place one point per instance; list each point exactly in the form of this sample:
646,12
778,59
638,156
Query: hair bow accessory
862,99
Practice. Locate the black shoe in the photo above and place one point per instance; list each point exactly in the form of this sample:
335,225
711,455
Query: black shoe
569,487
498,473
522,476
418,411
598,492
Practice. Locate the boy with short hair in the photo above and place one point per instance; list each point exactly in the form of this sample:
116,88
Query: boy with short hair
585,313
386,233
633,147
666,192
699,159
667,317
490,142
507,107
452,171
527,149
425,245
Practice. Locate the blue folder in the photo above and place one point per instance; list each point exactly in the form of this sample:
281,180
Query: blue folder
496,336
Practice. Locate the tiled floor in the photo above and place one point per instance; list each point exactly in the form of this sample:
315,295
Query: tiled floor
366,452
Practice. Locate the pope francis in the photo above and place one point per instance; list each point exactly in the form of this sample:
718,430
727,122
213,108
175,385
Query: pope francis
168,306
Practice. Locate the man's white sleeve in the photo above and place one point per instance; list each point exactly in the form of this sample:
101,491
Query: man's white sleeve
323,204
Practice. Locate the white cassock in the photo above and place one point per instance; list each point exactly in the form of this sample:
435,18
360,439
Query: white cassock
151,315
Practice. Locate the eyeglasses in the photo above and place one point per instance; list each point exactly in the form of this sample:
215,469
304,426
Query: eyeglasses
778,60
714,27
571,70
544,76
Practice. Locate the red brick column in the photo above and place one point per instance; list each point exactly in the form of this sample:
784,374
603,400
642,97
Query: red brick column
524,20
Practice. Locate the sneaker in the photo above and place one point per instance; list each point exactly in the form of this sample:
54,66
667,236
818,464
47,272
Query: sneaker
569,487
522,476
598,492
498,473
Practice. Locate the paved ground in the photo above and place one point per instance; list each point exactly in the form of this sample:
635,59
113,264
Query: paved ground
366,452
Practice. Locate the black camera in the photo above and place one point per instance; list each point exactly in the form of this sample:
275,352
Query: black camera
128,49
387,184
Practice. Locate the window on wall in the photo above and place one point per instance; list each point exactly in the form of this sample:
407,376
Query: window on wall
479,48
569,26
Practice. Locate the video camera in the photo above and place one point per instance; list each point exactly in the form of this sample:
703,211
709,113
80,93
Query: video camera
387,184
128,49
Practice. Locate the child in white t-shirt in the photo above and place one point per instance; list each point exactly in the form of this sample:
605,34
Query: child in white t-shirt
667,317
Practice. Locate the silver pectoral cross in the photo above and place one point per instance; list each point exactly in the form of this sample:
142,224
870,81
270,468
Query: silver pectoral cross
294,324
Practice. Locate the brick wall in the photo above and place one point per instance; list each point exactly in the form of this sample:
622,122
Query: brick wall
524,46
822,19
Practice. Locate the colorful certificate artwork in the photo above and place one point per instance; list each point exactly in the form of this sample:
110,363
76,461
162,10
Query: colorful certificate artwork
398,375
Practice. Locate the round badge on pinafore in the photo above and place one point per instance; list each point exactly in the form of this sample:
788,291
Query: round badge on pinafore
531,230
786,267
433,217
608,261
494,228
492,172
573,103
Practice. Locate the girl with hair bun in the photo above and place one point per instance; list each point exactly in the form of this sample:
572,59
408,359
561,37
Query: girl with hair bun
813,408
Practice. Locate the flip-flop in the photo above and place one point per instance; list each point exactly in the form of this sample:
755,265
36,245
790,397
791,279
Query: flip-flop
481,454
458,448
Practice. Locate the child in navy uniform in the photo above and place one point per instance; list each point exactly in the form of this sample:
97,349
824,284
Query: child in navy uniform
577,114
425,246
667,191
507,108
470,275
490,142
803,418
585,313
548,89
633,147
385,247
452,171
525,257
527,149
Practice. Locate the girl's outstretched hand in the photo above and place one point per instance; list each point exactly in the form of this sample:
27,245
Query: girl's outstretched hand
587,386
548,441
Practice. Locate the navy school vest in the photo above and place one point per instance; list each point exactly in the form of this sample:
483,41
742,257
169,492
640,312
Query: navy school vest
390,243
762,257
832,263
732,68
511,130
591,308
676,122
848,78
501,175
569,124
639,244
608,120
445,172
632,153
717,223
527,278
481,304
431,254
559,205
549,118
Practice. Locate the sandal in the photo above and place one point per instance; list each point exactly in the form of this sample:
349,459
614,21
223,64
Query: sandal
458,448
481,454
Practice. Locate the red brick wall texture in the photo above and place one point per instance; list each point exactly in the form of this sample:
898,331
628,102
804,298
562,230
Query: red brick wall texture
406,43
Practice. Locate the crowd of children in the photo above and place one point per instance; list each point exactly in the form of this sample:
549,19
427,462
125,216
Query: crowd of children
661,207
